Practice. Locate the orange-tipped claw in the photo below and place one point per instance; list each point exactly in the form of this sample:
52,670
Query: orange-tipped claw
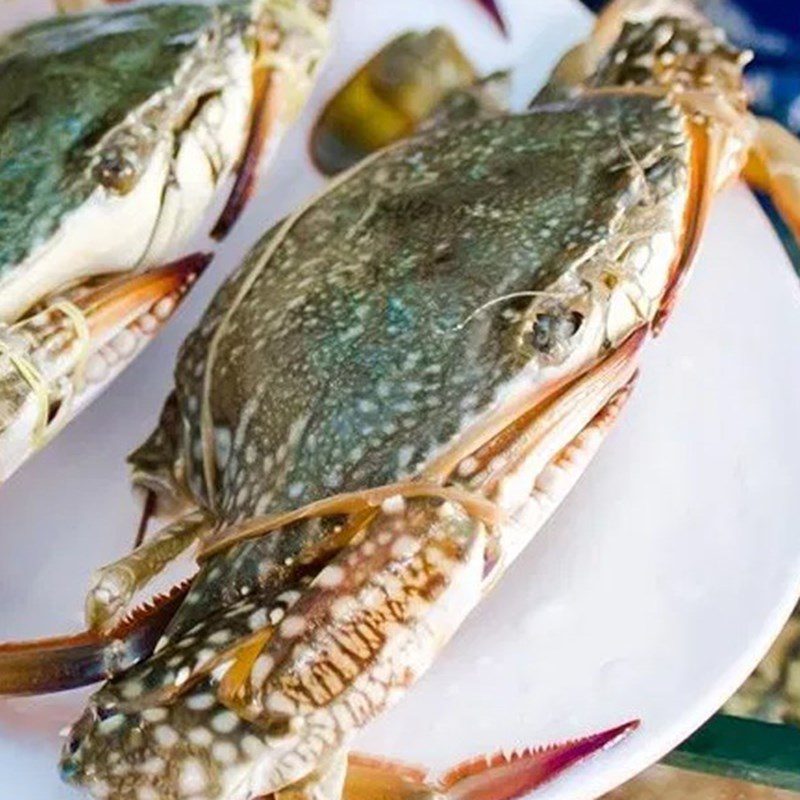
494,12
503,777
499,777
67,662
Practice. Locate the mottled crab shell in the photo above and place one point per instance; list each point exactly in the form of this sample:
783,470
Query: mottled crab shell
96,174
364,334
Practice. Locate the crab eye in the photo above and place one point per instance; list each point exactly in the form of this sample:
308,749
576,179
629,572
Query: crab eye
104,712
70,767
116,171
553,328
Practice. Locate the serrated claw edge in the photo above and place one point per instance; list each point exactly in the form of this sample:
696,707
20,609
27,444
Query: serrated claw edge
67,662
505,776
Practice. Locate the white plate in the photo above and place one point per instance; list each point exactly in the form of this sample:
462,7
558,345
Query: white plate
654,590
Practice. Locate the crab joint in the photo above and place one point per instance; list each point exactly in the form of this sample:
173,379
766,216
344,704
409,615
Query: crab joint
114,585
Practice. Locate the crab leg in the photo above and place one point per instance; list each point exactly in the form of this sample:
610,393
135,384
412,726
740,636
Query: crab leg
774,168
67,662
705,161
502,776
56,361
114,585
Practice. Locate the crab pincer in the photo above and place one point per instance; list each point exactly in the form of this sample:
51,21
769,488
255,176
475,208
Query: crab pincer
503,776
67,662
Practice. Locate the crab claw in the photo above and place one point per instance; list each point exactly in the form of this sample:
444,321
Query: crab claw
67,662
245,181
275,103
54,362
494,12
503,776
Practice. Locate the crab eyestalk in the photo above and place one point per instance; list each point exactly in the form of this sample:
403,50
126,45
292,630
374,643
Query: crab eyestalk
54,362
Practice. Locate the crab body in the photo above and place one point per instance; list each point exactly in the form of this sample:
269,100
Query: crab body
360,344
117,131
367,344
385,402
370,337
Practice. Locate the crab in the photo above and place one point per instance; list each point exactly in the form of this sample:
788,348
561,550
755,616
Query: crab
382,406
118,129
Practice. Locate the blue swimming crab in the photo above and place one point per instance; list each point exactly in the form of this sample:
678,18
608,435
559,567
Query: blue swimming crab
382,406
117,131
